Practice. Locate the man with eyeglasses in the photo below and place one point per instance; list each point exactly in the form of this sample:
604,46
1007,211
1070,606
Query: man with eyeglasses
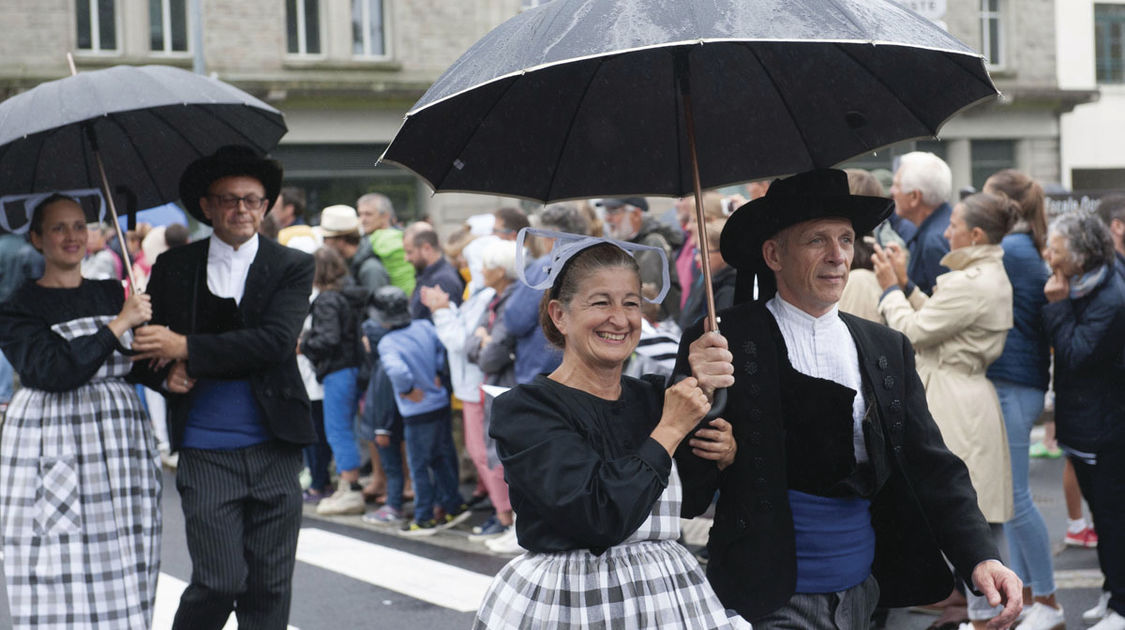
226,315
508,222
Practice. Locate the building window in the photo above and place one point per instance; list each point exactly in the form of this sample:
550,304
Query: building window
369,28
989,156
303,26
168,26
96,25
992,35
1109,42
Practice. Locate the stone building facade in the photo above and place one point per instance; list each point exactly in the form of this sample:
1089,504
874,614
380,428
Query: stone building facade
344,72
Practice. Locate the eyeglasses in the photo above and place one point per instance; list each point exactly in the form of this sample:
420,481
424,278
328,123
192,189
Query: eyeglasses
230,202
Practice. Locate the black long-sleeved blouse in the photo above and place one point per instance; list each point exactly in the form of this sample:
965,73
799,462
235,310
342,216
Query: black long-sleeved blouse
43,358
582,471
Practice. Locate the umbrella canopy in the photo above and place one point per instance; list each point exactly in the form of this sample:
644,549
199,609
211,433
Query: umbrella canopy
148,123
585,98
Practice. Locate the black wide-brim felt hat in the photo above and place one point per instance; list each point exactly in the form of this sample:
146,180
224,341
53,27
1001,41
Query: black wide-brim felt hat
229,161
807,196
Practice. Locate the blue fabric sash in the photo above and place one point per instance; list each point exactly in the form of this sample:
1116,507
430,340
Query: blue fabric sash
224,416
835,542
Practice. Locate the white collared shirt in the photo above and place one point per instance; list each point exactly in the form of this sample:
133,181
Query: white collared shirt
227,267
823,347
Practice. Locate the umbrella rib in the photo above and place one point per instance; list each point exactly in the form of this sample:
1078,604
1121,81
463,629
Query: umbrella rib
784,101
570,127
886,87
851,18
137,151
491,107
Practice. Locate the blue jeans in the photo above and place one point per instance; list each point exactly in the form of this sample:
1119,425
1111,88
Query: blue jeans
341,397
391,457
318,456
429,450
1029,545
7,379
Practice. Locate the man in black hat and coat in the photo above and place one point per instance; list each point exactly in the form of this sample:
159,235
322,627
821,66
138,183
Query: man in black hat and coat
227,312
842,495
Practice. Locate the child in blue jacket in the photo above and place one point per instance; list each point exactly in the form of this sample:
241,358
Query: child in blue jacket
413,358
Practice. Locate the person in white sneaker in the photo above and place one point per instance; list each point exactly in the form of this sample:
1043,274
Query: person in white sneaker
1085,322
332,343
1098,612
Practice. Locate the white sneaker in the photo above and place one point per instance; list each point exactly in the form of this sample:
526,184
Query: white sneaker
1096,613
343,501
505,543
1112,621
1042,617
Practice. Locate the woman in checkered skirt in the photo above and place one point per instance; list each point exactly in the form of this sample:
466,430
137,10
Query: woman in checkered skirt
79,470
587,453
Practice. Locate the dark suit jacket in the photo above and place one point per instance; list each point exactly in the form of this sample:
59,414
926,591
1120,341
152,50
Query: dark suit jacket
273,308
925,503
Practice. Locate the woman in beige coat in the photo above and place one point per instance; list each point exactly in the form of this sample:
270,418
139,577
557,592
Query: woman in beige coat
957,333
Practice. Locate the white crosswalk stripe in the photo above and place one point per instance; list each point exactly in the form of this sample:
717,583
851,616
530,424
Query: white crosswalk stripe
421,578
168,591
427,580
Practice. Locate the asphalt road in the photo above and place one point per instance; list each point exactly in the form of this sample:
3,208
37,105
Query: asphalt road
351,575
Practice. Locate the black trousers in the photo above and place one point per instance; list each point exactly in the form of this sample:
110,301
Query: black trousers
1103,486
242,512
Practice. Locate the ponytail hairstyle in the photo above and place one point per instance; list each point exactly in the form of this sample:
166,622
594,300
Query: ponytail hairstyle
1030,200
574,272
995,214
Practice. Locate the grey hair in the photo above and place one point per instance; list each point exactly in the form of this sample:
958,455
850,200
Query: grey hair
926,173
500,254
564,217
382,203
1088,240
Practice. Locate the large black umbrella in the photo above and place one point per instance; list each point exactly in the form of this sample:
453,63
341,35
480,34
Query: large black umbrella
592,98
130,130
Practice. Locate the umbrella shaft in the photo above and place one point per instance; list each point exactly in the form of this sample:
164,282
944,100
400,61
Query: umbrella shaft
133,289
711,323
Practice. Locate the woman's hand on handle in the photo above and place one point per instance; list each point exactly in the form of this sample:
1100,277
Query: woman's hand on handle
136,311
684,405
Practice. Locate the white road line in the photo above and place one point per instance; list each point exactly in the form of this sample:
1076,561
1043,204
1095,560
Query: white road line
168,591
421,578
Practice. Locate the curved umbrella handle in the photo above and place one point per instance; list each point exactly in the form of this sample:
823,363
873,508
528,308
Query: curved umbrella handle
718,403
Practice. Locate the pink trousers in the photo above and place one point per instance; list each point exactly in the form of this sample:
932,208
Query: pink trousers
493,478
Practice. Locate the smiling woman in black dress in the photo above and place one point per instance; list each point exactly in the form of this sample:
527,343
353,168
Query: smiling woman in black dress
587,455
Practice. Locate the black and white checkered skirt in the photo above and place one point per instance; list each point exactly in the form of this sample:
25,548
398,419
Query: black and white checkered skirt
80,504
647,581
